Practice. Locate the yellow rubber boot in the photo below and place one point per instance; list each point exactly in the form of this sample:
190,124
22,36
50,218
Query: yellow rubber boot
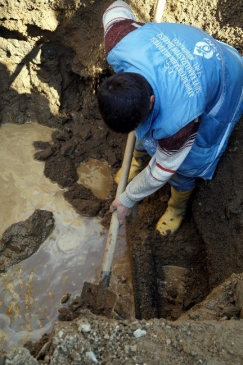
139,161
175,212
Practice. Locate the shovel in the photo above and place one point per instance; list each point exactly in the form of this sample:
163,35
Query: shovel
98,298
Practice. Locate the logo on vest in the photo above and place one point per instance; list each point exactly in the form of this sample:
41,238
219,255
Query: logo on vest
207,49
203,49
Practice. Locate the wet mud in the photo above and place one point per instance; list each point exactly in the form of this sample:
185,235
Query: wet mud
22,239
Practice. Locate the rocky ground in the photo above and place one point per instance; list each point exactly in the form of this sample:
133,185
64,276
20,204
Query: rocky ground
52,62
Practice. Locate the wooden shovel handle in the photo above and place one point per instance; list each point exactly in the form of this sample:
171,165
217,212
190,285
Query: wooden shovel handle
114,224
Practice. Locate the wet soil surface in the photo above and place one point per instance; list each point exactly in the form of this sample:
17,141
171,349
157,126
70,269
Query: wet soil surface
195,319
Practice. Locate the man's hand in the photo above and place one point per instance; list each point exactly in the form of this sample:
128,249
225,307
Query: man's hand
122,211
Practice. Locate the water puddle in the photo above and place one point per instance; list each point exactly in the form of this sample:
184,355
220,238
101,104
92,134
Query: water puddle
95,175
31,290
173,281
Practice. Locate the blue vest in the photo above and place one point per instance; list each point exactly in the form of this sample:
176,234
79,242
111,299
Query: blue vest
191,75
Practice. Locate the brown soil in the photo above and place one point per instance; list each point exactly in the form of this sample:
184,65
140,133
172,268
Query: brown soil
206,302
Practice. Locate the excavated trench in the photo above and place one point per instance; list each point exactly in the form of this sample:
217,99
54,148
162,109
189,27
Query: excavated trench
53,81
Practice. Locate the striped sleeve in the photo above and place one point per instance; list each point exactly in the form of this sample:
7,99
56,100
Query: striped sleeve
116,12
118,21
170,154
172,151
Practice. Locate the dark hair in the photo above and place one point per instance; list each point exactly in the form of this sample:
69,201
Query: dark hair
124,101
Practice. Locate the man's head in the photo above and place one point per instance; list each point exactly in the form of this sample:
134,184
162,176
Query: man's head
125,100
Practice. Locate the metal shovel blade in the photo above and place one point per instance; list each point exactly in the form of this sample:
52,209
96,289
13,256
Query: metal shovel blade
97,299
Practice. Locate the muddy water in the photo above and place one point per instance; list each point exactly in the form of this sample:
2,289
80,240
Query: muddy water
95,175
173,280
31,291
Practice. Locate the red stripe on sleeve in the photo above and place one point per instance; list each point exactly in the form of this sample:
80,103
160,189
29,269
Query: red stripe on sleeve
166,170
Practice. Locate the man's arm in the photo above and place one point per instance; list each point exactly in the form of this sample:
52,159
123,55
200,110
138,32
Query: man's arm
170,154
116,12
118,21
